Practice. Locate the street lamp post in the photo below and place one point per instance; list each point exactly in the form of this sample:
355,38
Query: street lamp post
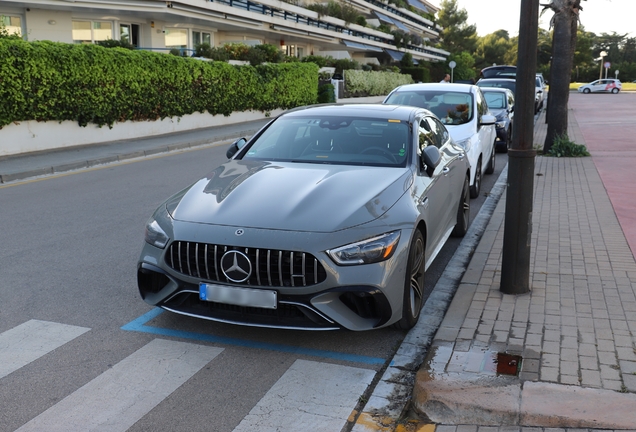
600,74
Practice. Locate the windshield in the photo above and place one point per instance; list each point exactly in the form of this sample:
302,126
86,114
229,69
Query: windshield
334,140
451,107
495,100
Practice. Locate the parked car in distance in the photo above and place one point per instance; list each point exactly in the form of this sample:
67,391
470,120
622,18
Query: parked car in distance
608,85
326,218
464,111
501,103
539,95
511,84
499,71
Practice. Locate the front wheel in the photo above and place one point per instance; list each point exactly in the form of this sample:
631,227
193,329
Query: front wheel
491,163
463,212
476,187
586,91
413,284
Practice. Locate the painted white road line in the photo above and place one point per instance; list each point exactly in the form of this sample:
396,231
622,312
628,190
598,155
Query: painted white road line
310,396
29,341
121,396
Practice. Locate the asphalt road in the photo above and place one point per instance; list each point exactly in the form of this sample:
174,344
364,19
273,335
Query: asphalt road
68,251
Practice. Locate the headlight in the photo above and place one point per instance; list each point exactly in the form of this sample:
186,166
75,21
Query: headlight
368,251
465,144
501,124
155,235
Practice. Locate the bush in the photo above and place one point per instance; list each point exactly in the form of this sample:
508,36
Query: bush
419,74
326,93
564,147
112,43
91,84
361,83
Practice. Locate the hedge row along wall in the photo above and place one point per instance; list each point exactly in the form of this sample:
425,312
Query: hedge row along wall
91,84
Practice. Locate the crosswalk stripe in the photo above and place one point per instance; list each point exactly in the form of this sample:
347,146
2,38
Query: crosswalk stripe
31,340
310,396
119,397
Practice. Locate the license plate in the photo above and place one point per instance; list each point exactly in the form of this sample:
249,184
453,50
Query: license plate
238,296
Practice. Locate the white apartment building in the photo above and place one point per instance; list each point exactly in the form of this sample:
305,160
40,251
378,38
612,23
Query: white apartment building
163,25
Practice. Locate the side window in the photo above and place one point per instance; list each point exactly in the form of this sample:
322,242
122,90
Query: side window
439,133
482,106
425,135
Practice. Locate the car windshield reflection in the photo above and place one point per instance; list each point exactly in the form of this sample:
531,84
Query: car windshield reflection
452,108
333,140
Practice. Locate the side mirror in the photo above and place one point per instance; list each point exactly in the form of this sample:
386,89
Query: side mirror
431,157
235,147
487,119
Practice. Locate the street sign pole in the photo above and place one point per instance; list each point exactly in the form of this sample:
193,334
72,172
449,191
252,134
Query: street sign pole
452,65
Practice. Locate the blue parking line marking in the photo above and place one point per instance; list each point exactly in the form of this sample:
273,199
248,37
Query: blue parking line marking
139,325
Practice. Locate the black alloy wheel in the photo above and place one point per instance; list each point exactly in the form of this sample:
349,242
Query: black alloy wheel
414,284
491,163
463,212
476,187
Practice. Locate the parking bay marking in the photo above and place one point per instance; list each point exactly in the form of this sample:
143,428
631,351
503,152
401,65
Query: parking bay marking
31,340
139,325
119,397
309,396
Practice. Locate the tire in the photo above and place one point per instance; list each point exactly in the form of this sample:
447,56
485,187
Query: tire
586,91
491,163
615,90
413,284
476,187
506,145
463,211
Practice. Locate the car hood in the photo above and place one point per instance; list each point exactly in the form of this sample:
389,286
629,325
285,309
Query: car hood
290,196
462,132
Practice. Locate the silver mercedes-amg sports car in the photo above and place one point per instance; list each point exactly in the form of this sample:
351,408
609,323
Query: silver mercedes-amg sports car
327,218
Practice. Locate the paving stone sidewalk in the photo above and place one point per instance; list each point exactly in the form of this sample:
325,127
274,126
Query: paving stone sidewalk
577,326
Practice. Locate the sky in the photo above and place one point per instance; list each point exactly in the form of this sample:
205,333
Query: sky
598,16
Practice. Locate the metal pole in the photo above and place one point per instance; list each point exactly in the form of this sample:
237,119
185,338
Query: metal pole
515,268
600,72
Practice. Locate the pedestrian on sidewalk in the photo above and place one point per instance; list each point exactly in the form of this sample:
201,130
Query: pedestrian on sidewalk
446,79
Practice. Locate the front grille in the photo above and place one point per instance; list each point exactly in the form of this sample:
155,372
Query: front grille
272,268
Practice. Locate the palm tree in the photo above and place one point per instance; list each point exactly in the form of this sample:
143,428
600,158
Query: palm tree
565,22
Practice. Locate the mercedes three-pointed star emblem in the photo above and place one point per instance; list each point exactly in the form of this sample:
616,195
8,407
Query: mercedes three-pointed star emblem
236,266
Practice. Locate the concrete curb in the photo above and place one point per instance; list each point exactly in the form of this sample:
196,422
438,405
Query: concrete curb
392,394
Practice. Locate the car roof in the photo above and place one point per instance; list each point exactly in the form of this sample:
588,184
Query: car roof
397,112
496,79
496,90
465,88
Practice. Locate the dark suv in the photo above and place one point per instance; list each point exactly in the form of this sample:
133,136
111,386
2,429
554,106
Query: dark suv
502,71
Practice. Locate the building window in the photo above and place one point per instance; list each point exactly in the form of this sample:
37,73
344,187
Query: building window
129,33
199,38
176,38
12,24
86,32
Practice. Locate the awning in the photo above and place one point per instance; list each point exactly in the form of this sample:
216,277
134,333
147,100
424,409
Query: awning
384,18
419,5
402,26
397,55
365,47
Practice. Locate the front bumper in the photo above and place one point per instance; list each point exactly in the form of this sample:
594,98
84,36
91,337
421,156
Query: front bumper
360,297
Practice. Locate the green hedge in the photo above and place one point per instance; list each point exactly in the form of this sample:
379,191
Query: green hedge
91,84
372,83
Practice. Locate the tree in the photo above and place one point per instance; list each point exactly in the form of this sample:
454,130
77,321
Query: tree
457,35
492,49
565,23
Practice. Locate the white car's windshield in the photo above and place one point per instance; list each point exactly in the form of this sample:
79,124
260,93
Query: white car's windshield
451,107
334,140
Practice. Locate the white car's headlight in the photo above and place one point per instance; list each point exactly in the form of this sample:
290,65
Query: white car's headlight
367,251
155,235
465,144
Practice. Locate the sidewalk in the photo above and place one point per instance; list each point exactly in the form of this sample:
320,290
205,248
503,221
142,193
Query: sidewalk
572,335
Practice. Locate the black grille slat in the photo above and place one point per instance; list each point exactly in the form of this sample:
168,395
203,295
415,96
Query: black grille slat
270,267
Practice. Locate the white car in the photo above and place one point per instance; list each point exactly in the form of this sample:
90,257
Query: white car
609,85
464,111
